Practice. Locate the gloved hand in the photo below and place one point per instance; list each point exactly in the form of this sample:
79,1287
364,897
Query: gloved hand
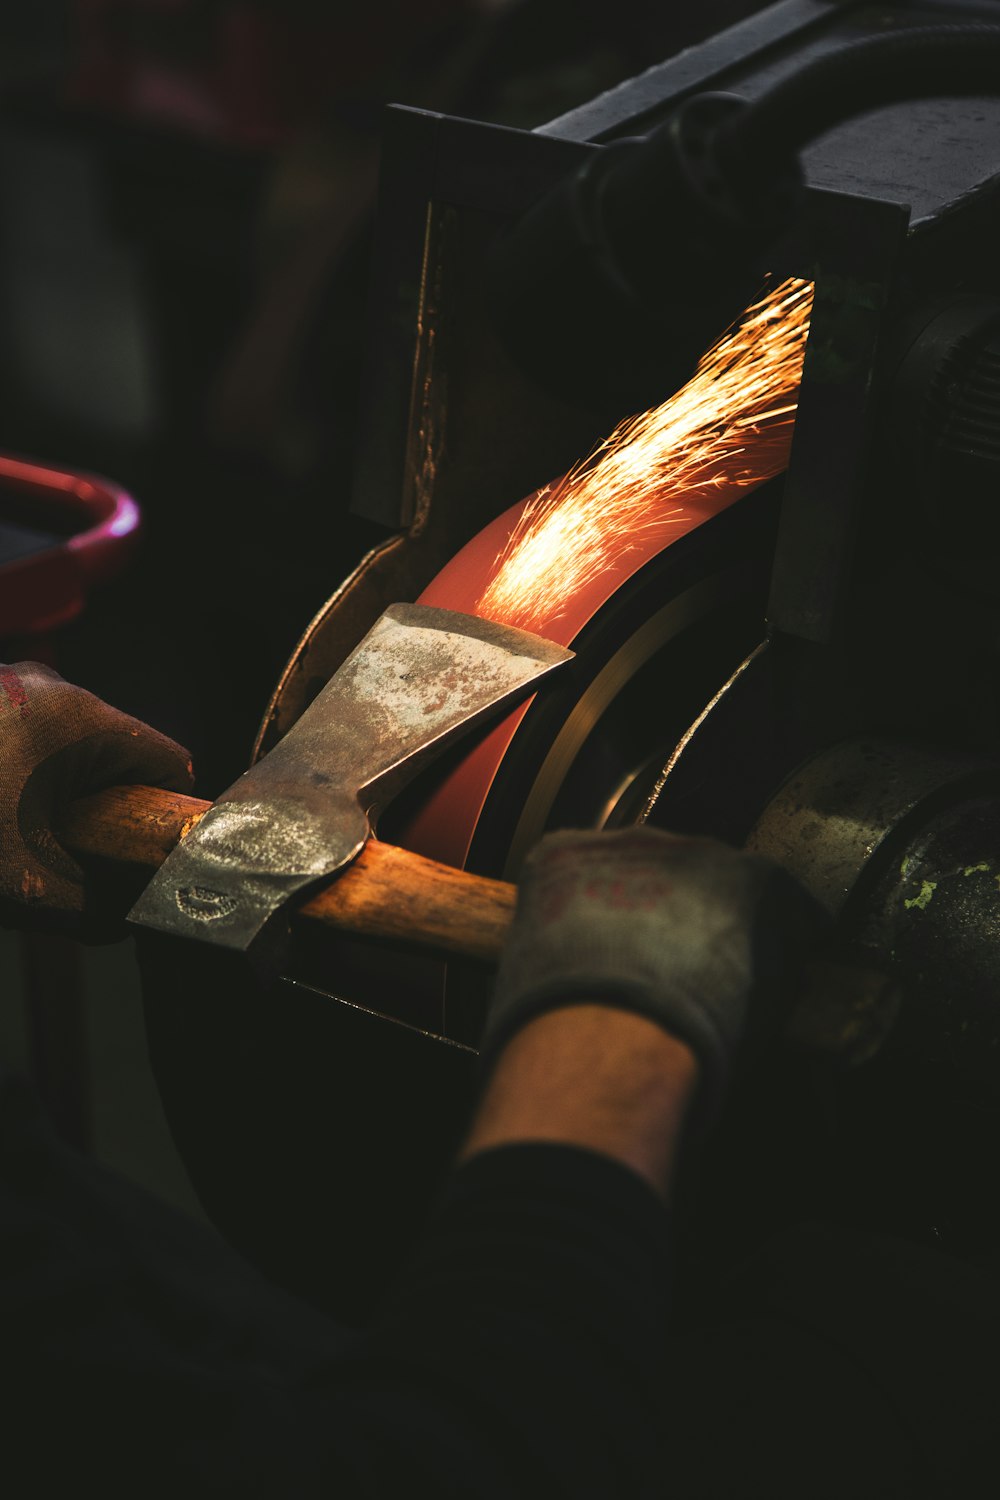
58,743
686,931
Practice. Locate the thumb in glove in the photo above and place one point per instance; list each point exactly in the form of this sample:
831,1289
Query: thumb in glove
59,743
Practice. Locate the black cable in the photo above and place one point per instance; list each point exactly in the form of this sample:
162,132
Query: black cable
923,62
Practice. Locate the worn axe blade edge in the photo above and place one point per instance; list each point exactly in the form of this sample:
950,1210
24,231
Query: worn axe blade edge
418,680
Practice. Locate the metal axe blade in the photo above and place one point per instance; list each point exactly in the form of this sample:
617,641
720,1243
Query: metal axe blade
420,678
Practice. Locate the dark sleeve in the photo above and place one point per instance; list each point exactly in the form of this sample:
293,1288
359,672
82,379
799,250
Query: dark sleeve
513,1356
518,1353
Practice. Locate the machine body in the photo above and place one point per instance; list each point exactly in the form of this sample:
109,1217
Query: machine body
821,609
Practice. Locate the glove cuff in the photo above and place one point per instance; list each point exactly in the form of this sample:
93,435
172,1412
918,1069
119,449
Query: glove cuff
684,1019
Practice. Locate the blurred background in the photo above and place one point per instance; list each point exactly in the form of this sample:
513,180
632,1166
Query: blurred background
186,191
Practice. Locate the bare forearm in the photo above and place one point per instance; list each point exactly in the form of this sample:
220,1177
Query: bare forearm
590,1076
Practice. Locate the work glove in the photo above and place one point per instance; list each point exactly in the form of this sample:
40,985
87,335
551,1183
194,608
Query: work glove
686,931
59,743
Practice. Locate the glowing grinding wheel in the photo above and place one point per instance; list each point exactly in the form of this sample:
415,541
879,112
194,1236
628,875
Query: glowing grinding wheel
444,826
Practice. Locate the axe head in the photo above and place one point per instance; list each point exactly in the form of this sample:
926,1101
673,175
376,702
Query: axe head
420,678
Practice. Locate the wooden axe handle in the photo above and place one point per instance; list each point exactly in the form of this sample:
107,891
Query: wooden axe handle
845,1011
385,893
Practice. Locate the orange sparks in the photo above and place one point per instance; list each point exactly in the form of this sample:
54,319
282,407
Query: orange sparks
729,428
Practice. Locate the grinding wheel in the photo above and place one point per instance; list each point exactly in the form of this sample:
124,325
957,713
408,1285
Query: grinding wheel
315,1129
655,635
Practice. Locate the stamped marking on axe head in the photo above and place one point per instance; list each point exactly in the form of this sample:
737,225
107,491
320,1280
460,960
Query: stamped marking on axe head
420,678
